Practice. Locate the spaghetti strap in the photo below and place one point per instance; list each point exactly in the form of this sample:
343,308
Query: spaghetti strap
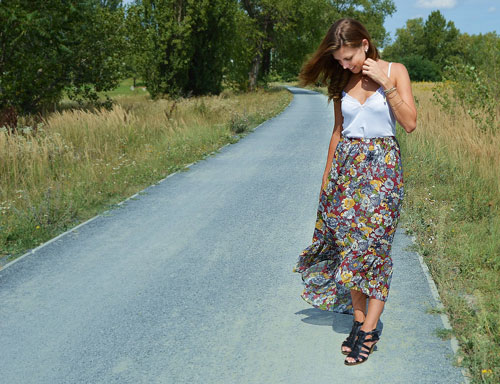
389,71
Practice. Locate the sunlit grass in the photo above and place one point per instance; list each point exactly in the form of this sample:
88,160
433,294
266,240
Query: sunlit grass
79,163
452,206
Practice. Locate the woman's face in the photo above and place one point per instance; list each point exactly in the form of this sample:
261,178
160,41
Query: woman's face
352,58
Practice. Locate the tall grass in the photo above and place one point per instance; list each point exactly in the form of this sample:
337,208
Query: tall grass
452,205
78,163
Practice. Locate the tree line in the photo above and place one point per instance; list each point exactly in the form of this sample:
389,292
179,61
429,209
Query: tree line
83,48
428,48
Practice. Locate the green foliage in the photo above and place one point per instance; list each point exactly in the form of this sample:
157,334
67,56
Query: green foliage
178,47
425,47
483,52
242,51
420,68
409,41
473,80
183,45
288,30
440,39
49,46
469,89
211,40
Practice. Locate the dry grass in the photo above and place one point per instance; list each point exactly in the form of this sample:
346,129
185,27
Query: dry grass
80,163
452,205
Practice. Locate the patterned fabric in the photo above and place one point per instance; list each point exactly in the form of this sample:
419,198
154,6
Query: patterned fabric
355,225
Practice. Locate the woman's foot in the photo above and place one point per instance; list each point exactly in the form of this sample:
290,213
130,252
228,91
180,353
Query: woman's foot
351,339
365,342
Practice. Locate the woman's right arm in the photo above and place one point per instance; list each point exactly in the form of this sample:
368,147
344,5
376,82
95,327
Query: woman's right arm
337,129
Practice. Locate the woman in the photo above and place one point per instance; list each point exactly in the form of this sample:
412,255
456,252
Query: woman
349,260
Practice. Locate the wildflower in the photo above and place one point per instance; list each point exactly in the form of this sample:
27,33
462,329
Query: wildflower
486,371
37,227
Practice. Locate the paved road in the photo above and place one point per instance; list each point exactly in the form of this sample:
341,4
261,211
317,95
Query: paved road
191,282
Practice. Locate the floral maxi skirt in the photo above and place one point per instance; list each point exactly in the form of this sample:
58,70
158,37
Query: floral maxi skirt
355,225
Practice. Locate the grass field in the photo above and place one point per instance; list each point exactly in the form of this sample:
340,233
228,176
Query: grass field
452,206
79,163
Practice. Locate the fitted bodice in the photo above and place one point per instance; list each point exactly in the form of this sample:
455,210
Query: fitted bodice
373,118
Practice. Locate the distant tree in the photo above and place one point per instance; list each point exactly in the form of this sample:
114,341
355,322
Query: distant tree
211,38
426,47
409,41
483,52
421,69
440,38
137,52
111,4
190,46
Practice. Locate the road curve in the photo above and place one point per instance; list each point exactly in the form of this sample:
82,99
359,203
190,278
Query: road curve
191,282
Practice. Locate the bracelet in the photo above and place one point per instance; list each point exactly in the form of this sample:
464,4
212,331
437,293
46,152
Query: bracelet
389,91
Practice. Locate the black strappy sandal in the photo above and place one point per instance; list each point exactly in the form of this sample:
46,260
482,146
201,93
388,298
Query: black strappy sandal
361,351
351,339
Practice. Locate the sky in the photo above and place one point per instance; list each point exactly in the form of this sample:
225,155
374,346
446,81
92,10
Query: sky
470,16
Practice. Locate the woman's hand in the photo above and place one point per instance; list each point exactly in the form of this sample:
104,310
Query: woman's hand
325,180
372,69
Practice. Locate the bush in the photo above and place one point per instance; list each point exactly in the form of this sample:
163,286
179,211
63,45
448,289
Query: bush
421,69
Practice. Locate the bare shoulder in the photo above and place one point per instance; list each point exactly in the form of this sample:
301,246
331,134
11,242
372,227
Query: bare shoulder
400,71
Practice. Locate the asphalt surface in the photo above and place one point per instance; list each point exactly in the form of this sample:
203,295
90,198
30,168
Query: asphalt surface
191,282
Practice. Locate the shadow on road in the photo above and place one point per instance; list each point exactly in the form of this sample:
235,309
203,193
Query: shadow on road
340,323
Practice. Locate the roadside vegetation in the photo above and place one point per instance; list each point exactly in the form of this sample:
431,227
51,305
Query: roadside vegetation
452,207
77,163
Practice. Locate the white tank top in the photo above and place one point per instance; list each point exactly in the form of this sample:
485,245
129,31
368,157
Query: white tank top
373,118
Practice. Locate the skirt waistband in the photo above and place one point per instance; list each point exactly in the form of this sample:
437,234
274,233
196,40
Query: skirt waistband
368,139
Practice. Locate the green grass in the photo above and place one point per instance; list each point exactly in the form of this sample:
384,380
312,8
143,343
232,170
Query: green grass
124,89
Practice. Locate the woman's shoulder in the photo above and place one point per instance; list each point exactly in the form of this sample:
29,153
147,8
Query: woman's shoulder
398,67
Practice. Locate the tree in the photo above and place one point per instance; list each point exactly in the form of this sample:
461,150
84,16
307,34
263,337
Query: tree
49,46
211,40
426,47
185,44
409,41
441,39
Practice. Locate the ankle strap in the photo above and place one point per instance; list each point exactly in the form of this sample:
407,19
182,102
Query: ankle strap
374,335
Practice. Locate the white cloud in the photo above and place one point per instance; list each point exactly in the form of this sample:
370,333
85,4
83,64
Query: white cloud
436,3
491,9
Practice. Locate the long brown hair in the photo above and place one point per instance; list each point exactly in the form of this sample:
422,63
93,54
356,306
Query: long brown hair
323,68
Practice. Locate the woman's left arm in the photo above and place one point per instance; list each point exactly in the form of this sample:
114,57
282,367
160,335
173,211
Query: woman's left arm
401,99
